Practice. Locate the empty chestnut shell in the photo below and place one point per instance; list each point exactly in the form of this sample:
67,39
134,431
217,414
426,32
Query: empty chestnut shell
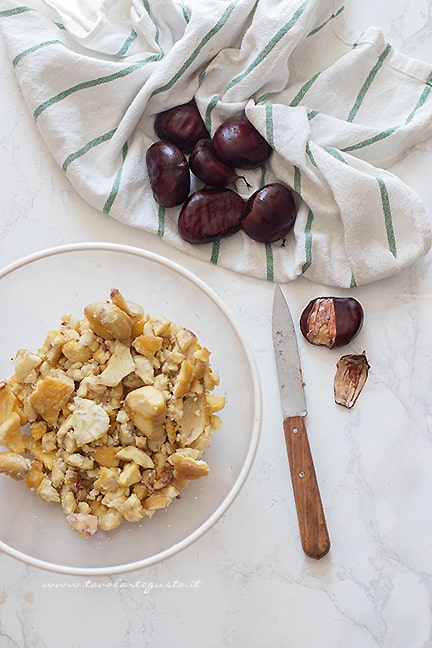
331,321
351,375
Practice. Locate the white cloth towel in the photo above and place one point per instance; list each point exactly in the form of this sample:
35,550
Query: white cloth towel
338,108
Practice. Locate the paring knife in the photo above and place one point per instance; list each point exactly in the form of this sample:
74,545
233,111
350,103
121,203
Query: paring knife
312,524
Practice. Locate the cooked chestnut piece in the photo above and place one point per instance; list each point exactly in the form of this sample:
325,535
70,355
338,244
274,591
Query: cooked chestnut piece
204,163
209,214
331,321
168,173
238,144
351,375
181,125
269,213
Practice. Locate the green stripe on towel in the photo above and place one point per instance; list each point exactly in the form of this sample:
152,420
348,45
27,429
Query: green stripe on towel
269,125
310,155
371,140
94,82
268,48
332,17
14,12
304,89
87,147
334,153
423,97
387,216
127,44
297,180
115,188
221,22
161,221
185,14
365,87
215,252
157,35
35,48
269,261
308,242
210,107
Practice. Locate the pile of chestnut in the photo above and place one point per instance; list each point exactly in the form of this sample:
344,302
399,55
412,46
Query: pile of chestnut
215,210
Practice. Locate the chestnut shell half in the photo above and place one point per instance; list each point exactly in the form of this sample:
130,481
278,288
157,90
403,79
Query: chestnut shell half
331,321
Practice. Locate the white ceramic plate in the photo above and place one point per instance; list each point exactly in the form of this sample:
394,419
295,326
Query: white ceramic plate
35,292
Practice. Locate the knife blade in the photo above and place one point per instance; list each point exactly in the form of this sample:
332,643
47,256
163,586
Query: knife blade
310,513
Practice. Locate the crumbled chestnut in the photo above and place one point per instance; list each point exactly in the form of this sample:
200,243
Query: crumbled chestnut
351,374
331,321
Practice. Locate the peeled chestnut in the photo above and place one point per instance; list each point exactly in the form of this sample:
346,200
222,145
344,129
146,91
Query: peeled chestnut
181,125
238,144
331,321
209,214
269,213
168,173
208,168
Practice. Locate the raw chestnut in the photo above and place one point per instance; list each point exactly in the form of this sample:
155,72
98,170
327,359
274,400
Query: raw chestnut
269,213
181,125
168,173
331,321
238,144
210,214
207,167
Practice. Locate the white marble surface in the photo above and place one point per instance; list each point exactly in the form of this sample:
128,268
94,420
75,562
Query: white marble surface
253,586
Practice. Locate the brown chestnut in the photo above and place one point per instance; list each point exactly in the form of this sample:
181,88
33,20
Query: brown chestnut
331,321
181,125
269,213
209,214
238,144
208,168
168,172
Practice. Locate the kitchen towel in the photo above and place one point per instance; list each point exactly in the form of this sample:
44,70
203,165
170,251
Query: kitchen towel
337,107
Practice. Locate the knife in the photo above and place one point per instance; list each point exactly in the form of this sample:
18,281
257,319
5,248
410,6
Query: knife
312,524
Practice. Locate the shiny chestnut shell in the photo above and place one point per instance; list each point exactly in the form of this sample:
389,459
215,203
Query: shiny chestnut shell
331,321
207,167
182,125
269,213
209,214
168,173
238,144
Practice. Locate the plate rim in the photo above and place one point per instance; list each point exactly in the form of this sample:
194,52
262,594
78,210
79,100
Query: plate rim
256,424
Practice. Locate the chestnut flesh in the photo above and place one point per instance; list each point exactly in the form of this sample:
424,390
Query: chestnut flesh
210,214
269,213
181,125
238,144
169,174
331,321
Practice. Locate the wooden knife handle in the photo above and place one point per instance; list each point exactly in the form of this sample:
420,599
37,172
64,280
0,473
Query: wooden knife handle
312,524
